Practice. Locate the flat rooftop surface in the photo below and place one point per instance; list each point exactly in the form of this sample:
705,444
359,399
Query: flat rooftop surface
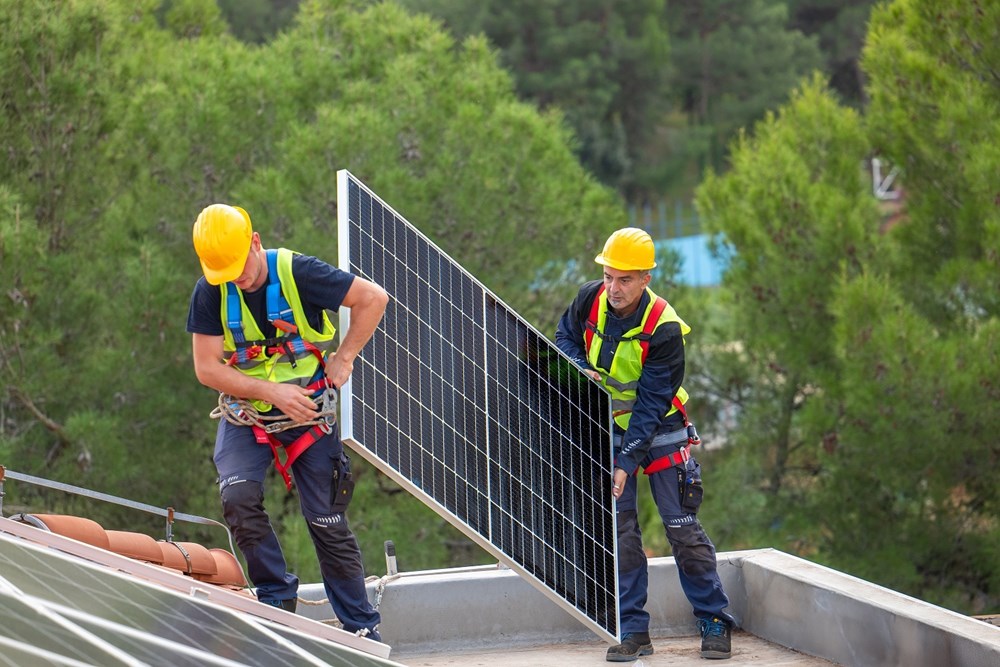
748,649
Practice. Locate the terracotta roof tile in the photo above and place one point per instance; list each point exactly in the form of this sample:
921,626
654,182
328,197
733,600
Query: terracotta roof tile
213,566
79,528
134,545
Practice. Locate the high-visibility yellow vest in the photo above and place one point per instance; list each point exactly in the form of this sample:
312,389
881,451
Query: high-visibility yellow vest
291,356
622,379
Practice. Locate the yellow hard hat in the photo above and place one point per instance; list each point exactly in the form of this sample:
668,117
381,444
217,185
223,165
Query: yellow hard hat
628,249
222,236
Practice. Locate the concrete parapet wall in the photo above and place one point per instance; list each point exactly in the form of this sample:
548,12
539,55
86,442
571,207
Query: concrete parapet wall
832,615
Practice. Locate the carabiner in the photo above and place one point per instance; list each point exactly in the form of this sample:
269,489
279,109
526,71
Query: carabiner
329,409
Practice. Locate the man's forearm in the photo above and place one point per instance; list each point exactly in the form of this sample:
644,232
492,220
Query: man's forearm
228,380
365,318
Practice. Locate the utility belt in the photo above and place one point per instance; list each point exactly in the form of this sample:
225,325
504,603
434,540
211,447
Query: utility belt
678,456
677,445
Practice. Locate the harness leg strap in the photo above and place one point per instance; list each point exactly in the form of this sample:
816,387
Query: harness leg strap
292,451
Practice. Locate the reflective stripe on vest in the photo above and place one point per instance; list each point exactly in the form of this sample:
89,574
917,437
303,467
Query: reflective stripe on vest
295,354
622,379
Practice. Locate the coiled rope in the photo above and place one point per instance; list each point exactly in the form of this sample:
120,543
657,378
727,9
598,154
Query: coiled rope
241,412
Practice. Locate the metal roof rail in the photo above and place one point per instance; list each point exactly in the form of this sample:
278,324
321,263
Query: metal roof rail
168,513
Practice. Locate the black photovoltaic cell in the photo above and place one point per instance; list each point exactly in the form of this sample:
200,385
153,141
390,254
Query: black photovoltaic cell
473,411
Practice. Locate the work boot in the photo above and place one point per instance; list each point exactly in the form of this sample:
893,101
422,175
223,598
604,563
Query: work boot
633,645
716,640
370,634
288,605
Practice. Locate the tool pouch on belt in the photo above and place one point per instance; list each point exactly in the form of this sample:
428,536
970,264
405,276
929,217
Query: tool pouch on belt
342,488
689,485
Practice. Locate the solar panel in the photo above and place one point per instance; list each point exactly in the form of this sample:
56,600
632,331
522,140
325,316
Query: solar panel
85,613
470,409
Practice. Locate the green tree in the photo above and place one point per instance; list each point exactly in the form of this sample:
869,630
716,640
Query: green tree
258,21
630,103
603,65
193,18
913,452
67,346
918,346
879,353
56,92
934,114
97,382
795,213
732,61
840,26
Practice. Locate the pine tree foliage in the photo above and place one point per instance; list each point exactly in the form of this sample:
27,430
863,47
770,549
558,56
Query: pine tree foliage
733,60
795,214
604,65
120,122
865,359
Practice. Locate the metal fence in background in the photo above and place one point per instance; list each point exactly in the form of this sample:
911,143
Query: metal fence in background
677,228
665,220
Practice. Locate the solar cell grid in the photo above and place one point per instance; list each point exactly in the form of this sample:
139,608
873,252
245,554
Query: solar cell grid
469,408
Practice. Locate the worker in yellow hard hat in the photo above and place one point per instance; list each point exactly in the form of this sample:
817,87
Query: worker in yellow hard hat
261,336
630,340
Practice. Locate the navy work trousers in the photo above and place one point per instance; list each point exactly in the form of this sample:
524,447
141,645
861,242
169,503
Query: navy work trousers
243,464
692,550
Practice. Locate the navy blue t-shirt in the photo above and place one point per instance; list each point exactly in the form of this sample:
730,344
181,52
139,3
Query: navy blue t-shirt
320,285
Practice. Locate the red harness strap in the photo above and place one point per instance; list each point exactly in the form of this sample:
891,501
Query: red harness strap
681,455
684,453
591,327
299,445
292,451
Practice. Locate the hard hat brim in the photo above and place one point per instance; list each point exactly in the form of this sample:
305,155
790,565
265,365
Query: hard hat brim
621,266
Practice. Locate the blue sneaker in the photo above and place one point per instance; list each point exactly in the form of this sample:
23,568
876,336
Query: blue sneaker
716,640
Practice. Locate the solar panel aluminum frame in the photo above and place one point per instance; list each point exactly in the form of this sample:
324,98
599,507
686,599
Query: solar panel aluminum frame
606,628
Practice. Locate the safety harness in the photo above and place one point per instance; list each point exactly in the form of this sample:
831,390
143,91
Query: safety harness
289,342
689,435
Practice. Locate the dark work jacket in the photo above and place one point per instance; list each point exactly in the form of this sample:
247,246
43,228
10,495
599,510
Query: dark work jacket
662,373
